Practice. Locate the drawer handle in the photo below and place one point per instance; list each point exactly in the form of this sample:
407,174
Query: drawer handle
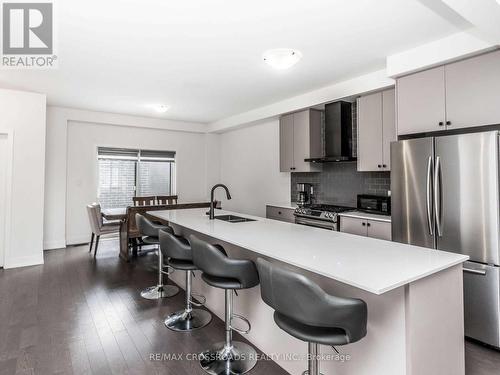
279,212
475,272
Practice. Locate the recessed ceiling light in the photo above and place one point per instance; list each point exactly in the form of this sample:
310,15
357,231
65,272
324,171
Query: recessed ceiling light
282,58
160,108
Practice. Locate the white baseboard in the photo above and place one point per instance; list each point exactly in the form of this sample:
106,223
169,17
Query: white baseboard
80,240
54,244
77,240
32,260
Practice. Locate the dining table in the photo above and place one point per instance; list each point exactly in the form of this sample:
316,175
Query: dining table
130,237
111,214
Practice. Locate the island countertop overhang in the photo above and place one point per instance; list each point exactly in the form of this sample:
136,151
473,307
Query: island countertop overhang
376,266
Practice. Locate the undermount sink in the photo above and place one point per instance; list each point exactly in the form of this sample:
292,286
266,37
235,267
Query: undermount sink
233,218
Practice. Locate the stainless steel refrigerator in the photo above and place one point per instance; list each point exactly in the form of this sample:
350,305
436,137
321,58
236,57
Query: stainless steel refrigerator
445,195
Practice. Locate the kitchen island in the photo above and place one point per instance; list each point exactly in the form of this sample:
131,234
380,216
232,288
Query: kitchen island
414,295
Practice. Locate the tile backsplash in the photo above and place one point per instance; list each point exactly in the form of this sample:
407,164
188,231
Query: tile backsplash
340,183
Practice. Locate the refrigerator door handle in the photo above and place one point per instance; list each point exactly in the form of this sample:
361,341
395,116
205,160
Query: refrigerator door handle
438,196
476,272
429,195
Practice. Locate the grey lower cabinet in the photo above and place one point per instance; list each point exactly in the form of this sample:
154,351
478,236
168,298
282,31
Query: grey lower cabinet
353,226
452,96
280,213
300,138
376,130
368,228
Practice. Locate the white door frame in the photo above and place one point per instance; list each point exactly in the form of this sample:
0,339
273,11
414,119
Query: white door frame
8,193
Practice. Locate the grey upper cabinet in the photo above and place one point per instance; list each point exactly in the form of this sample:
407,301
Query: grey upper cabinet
286,143
376,130
472,91
301,141
421,102
388,126
370,132
300,138
452,96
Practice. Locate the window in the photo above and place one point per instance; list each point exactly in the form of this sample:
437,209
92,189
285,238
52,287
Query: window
125,173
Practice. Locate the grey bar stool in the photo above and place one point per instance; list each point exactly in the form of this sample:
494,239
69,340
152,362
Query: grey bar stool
150,233
180,257
305,311
219,271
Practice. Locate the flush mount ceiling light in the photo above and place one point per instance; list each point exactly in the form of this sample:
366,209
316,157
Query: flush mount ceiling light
282,58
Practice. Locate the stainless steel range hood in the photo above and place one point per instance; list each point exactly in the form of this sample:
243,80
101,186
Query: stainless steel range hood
338,134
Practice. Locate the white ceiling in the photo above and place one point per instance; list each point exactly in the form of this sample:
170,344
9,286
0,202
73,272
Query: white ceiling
203,58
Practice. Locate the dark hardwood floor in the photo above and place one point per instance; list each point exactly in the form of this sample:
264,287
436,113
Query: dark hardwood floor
77,315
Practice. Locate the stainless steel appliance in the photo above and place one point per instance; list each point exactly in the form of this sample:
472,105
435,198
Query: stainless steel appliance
320,216
338,134
375,204
304,194
445,195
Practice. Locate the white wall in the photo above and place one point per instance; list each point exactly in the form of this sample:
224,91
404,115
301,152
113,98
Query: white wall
82,174
249,160
365,83
119,127
24,114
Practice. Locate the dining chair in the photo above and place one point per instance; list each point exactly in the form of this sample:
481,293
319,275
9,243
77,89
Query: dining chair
98,226
144,201
166,199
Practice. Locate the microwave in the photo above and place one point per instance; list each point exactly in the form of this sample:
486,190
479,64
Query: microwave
375,204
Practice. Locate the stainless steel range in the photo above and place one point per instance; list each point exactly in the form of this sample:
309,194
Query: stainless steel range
320,215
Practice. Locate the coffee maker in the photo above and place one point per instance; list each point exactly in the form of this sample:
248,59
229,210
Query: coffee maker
304,194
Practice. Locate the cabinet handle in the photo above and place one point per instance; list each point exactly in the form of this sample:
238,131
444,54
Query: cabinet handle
368,224
384,165
441,123
363,224
380,165
279,212
448,123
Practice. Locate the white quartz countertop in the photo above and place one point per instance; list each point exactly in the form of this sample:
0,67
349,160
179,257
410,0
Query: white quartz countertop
373,265
365,215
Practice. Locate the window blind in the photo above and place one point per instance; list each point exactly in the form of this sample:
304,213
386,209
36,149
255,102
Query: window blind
125,173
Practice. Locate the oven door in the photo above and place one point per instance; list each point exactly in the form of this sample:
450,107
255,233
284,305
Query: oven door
316,223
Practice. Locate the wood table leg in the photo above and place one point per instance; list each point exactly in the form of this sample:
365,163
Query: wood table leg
124,252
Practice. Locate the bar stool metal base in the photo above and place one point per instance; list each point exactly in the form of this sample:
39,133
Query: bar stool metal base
185,321
313,360
160,291
221,360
